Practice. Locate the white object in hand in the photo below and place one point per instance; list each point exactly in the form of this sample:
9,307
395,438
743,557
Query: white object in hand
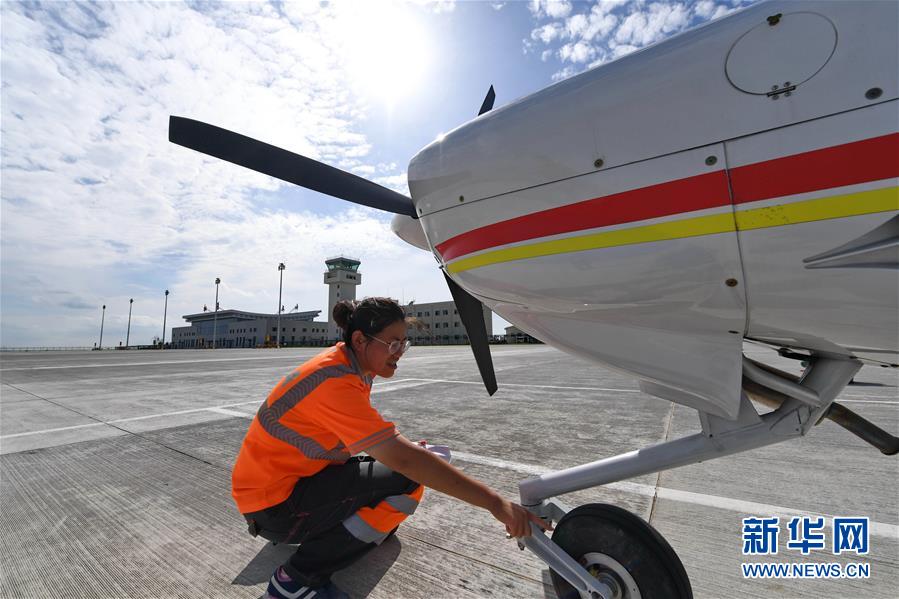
442,450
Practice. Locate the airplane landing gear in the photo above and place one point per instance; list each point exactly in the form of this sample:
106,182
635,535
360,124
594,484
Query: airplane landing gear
602,552
621,551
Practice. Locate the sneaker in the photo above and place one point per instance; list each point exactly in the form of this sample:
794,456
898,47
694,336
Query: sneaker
282,586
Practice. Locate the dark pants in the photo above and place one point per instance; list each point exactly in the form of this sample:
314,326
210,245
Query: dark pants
313,516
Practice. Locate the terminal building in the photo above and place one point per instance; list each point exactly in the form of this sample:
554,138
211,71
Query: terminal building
438,322
516,335
236,328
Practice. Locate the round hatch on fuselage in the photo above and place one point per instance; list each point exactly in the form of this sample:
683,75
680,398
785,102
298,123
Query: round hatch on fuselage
786,50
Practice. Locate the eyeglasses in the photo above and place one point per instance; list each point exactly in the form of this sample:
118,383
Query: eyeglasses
394,347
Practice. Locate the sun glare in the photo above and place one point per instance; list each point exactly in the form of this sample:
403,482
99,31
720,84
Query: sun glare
388,50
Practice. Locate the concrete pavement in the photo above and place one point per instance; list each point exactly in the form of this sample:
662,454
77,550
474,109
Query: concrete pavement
115,474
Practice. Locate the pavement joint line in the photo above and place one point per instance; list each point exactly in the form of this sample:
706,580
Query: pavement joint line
393,386
108,365
527,385
111,425
164,362
216,409
406,533
174,375
884,401
658,483
227,412
714,501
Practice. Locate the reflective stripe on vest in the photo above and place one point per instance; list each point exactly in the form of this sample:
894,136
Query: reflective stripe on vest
269,415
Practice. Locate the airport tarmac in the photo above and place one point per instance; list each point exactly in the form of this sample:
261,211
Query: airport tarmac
115,475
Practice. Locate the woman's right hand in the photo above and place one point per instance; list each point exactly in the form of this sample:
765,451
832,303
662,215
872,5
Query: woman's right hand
516,518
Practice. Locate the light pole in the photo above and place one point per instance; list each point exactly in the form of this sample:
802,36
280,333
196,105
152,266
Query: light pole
128,334
281,268
164,312
215,315
102,318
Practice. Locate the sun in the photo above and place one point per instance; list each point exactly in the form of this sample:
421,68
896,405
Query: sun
388,50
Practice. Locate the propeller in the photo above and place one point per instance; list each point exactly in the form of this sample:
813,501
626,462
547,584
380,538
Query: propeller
487,104
287,166
305,172
471,310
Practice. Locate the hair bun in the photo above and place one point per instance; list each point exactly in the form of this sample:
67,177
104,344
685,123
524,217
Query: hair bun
343,311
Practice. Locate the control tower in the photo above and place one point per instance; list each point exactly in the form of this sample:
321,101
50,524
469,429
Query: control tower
341,278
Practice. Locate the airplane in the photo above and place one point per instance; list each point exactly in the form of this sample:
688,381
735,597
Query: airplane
734,184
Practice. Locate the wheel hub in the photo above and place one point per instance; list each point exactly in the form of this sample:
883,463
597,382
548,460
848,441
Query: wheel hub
609,571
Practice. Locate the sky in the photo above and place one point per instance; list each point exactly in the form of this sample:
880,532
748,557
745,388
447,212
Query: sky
97,207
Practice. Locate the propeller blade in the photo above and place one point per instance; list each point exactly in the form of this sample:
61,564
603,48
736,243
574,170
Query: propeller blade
287,166
471,311
487,106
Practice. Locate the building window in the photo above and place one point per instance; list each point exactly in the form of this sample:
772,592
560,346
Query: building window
445,312
455,324
455,311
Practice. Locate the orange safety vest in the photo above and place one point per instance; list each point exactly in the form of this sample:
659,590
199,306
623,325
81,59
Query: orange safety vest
318,415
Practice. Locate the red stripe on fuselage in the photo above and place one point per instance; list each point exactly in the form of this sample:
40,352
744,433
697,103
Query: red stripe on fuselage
683,195
847,164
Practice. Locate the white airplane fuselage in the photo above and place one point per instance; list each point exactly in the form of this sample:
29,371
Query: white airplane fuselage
736,181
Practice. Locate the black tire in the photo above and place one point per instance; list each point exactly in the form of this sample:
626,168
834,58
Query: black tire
628,539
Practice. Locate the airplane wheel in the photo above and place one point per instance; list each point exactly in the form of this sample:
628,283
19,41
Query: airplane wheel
623,551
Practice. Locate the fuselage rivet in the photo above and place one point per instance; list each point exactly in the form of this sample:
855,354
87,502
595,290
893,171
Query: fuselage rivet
598,163
873,93
711,160
731,282
461,198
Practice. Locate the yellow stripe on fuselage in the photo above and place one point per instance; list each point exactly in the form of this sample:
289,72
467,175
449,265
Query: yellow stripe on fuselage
841,206
854,204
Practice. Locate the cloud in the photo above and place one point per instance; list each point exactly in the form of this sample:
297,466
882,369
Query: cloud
398,183
97,202
555,9
437,6
547,33
585,35
577,52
